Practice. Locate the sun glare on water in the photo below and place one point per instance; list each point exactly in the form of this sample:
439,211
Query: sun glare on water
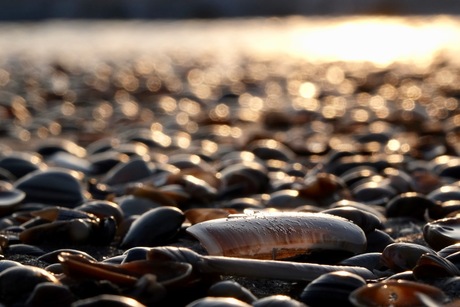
381,40
378,40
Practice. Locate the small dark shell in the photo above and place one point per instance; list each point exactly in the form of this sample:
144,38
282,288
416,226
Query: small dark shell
270,149
52,257
277,300
444,209
55,268
131,171
18,281
445,193
108,300
367,221
375,210
405,275
285,199
6,264
448,250
69,161
441,233
245,178
430,266
136,253
324,189
399,179
51,146
102,163
356,175
77,231
54,187
236,157
403,256
345,161
50,294
189,161
104,232
150,192
369,261
410,204
377,241
6,176
153,228
9,198
20,164
373,193
447,166
24,249
218,302
132,205
229,288
331,289
102,209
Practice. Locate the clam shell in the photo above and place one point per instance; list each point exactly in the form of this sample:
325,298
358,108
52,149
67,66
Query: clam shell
278,235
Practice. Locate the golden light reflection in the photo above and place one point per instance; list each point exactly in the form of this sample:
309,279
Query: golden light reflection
393,145
408,104
209,146
162,139
308,90
183,140
379,40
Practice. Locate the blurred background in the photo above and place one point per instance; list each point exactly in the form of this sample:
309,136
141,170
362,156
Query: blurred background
378,31
167,9
88,56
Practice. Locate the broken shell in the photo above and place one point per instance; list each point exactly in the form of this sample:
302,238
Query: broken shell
403,256
431,266
278,235
77,231
166,272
